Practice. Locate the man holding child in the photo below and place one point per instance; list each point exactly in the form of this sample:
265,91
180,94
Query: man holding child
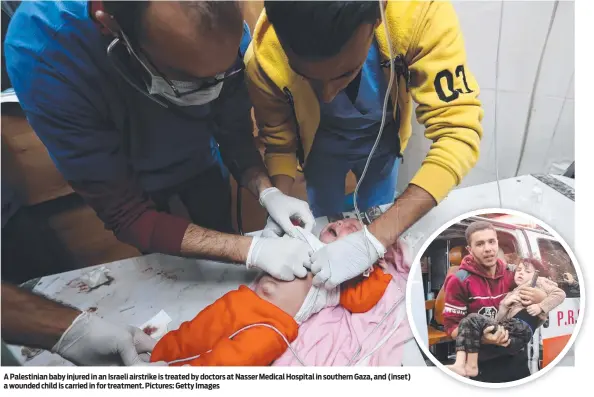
479,287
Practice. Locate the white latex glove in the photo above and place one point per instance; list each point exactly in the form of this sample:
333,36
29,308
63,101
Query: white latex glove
90,340
283,258
345,259
272,229
283,208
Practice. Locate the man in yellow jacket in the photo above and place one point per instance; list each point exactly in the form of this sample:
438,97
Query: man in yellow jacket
321,70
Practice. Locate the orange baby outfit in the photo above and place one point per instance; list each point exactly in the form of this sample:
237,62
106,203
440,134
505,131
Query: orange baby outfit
208,333
361,294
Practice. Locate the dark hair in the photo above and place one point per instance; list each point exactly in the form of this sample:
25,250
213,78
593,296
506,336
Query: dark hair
319,29
207,14
212,15
536,265
129,15
477,227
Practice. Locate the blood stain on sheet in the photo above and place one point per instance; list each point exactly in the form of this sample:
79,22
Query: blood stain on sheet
76,283
92,309
110,280
149,330
30,353
83,287
167,275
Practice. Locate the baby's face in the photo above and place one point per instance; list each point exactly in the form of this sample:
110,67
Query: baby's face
339,229
523,274
286,295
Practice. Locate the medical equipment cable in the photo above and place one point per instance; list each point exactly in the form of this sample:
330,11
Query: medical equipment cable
383,123
386,339
255,325
351,360
377,140
381,130
181,360
384,317
354,357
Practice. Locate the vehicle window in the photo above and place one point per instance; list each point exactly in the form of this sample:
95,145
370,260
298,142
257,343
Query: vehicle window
561,268
508,248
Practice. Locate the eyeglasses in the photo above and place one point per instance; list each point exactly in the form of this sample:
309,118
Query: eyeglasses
150,68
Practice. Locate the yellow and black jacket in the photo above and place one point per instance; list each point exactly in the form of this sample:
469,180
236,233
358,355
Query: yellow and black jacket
429,53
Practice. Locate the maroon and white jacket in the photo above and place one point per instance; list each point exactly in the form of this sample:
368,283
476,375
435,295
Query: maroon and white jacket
472,290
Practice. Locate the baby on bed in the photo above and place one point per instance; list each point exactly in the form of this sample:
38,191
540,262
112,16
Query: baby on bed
254,326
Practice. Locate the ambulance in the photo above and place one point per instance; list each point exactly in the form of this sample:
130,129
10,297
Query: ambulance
518,238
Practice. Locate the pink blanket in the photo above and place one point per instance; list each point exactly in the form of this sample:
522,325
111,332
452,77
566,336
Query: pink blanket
333,336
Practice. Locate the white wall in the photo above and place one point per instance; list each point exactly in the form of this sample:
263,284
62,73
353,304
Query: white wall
550,130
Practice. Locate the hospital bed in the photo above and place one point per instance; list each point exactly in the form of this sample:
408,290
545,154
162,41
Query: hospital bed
178,288
153,291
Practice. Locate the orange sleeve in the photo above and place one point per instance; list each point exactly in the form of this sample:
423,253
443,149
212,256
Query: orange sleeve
362,293
208,333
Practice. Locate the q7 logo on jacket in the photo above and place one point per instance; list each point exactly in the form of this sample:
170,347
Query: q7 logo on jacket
488,311
451,82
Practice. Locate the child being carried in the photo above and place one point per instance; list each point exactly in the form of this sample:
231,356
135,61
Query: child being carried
518,319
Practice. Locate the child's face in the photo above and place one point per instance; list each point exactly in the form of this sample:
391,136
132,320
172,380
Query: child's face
523,274
339,229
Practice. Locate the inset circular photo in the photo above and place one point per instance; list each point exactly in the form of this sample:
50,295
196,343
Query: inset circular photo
503,295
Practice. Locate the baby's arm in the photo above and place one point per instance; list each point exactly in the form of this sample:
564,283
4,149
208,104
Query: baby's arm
555,295
505,305
361,294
